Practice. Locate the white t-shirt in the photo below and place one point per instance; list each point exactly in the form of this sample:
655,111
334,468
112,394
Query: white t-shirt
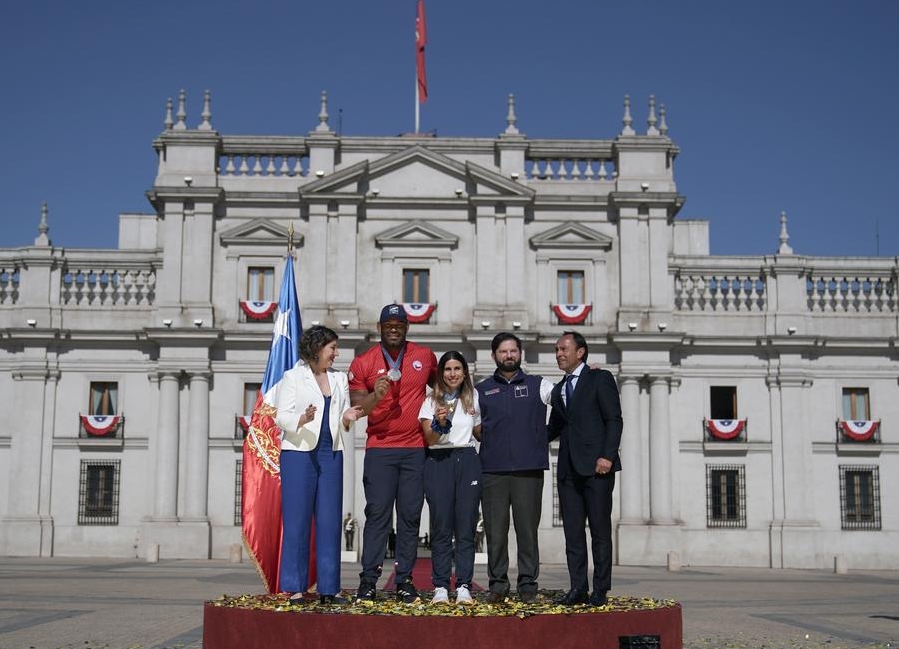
461,433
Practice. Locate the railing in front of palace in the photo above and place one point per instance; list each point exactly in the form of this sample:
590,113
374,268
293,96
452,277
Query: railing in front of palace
263,156
570,160
9,282
741,284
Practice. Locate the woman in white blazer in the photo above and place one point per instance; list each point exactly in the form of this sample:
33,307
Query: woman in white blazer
313,405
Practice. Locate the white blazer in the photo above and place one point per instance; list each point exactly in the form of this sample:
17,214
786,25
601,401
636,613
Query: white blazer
297,389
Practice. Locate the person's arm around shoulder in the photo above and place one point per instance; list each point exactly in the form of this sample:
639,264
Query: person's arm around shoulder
476,417
546,390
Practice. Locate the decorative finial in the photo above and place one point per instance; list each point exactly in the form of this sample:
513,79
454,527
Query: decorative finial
290,238
627,121
663,125
42,238
181,114
206,115
784,248
511,120
651,120
323,115
168,115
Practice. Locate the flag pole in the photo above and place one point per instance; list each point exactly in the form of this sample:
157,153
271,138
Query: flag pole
417,104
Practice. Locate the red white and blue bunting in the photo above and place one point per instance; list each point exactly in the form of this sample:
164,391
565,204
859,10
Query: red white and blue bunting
100,425
725,428
572,313
258,309
245,421
419,313
859,431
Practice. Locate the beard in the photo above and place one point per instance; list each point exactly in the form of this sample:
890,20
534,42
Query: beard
509,365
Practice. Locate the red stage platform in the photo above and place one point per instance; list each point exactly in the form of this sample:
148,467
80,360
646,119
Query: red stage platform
261,622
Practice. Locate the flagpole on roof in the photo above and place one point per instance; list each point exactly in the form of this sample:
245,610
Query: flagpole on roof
290,239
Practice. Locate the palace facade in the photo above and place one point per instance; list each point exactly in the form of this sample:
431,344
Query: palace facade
759,393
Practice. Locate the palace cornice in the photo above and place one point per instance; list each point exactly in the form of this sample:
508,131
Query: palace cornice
646,143
672,200
182,336
271,199
160,194
290,145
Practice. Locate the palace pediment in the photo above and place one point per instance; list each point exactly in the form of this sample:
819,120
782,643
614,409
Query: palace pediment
413,175
259,232
416,234
571,235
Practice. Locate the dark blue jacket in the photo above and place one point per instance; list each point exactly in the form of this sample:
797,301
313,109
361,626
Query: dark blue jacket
514,435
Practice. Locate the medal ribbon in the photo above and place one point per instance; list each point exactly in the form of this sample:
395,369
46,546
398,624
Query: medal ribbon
394,364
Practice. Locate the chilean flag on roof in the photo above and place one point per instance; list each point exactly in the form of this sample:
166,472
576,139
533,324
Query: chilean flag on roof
261,505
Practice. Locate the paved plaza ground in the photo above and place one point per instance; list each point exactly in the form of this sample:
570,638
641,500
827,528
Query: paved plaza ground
132,604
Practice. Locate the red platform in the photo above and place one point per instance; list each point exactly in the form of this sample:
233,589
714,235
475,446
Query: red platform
231,627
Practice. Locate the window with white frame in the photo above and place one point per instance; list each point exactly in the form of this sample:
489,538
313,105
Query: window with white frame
571,287
416,285
856,404
261,283
103,398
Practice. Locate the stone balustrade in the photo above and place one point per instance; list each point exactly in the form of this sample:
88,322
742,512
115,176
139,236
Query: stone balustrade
109,278
852,292
726,289
263,156
570,160
9,282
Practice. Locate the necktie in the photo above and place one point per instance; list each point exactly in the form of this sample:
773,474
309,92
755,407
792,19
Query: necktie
569,389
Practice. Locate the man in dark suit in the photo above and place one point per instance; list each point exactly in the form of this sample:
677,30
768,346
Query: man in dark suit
586,416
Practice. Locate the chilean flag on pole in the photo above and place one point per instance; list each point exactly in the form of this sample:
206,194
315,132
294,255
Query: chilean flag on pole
261,506
421,39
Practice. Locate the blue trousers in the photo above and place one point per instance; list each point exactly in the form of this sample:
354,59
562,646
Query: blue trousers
391,476
453,490
311,488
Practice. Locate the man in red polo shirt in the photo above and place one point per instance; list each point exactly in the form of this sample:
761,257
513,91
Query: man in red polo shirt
389,381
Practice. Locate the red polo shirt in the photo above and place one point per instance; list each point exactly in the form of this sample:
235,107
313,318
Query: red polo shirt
393,423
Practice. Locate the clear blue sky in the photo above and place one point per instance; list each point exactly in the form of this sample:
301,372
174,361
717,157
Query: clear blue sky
776,105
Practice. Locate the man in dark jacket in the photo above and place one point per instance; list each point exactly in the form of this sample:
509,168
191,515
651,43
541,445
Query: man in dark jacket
514,454
586,416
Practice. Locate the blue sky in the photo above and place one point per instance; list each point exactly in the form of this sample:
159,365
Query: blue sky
776,105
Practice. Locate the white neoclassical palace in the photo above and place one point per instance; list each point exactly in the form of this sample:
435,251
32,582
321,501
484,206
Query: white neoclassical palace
760,393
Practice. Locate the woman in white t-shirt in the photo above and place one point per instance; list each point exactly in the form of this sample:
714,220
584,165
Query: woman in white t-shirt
451,422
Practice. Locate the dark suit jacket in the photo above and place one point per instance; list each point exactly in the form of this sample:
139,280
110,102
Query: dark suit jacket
590,426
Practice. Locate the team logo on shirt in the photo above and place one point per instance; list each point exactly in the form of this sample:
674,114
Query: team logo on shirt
416,365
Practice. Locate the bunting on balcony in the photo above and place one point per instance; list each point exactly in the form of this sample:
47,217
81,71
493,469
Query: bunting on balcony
258,309
245,421
100,425
859,431
419,313
725,428
572,313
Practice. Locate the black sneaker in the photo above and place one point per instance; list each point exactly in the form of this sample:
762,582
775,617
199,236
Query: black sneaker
406,593
367,592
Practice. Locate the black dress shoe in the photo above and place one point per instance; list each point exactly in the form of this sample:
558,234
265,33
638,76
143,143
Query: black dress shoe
572,597
332,600
527,596
598,598
295,599
495,598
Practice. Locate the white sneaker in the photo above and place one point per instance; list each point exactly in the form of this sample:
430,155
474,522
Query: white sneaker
463,595
441,596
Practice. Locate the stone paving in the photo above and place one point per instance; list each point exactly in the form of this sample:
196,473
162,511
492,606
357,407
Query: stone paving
69,603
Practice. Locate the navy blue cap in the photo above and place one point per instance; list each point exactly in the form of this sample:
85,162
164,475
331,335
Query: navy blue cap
393,312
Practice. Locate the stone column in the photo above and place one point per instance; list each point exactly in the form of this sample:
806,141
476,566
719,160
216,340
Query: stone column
631,452
165,508
197,474
660,471
27,529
